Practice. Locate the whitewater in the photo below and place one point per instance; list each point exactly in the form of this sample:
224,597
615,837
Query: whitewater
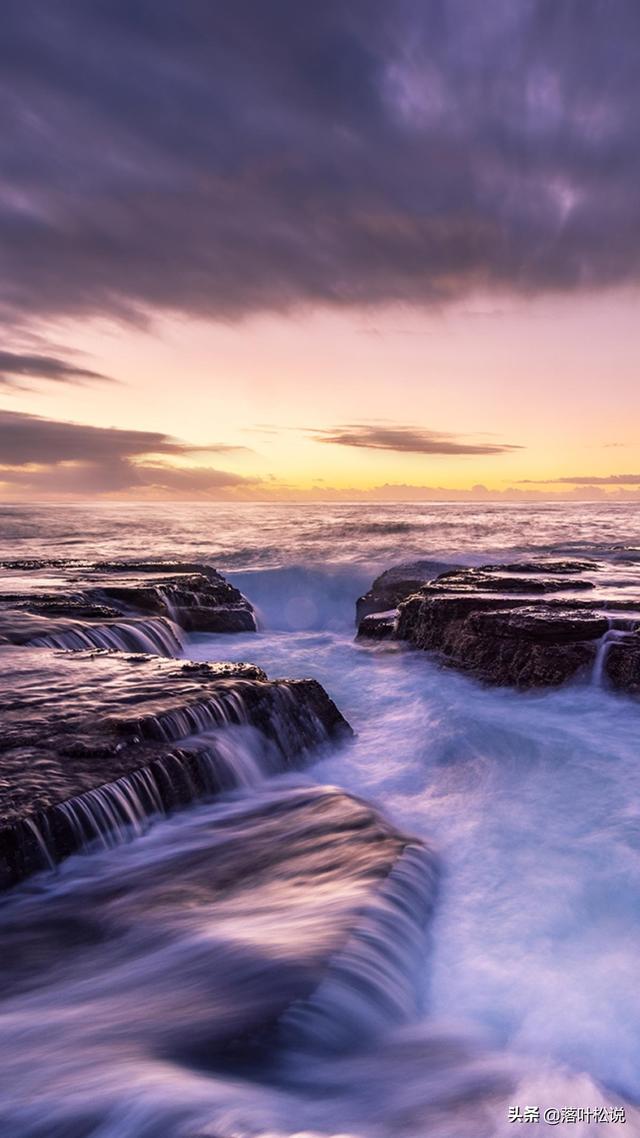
526,991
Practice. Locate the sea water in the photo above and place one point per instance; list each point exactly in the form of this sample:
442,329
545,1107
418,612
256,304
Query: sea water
528,985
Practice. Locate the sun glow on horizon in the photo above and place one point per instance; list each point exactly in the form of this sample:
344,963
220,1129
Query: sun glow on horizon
465,400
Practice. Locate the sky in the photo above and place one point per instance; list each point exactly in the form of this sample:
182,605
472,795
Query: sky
266,250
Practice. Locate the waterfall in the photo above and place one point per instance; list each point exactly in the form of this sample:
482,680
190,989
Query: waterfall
117,811
371,984
165,596
283,712
604,644
155,636
235,738
221,710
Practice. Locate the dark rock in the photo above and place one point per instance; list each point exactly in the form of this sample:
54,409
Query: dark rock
78,605
504,625
395,585
73,722
622,664
557,568
378,625
528,647
223,618
540,625
492,579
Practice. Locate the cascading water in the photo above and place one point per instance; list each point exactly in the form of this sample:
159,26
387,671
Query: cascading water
373,983
613,634
154,635
243,732
205,765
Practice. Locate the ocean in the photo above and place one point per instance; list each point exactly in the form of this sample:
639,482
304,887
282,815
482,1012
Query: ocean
527,991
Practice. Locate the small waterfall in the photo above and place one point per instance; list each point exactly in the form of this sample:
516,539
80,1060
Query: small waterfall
165,595
123,809
604,644
371,985
235,738
285,714
48,862
221,710
155,636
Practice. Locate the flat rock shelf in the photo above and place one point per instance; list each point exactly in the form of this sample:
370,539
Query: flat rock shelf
131,606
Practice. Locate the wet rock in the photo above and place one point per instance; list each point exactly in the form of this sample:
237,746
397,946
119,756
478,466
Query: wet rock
199,601
557,568
523,624
151,728
622,664
378,625
493,579
395,585
79,605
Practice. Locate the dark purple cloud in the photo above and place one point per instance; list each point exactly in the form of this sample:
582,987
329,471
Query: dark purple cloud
52,456
407,440
224,158
33,438
16,366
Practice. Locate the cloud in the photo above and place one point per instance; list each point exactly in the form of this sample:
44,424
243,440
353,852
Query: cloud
587,480
49,456
190,480
223,159
31,438
407,440
34,439
17,365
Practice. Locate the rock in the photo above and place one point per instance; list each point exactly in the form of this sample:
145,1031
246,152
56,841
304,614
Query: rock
378,625
492,579
622,664
521,624
557,568
135,607
395,585
76,724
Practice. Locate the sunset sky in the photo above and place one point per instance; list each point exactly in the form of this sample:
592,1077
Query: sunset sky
271,250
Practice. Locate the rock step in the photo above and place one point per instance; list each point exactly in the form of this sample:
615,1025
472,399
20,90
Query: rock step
76,604
93,743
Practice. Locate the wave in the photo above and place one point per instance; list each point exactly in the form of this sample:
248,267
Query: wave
300,597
